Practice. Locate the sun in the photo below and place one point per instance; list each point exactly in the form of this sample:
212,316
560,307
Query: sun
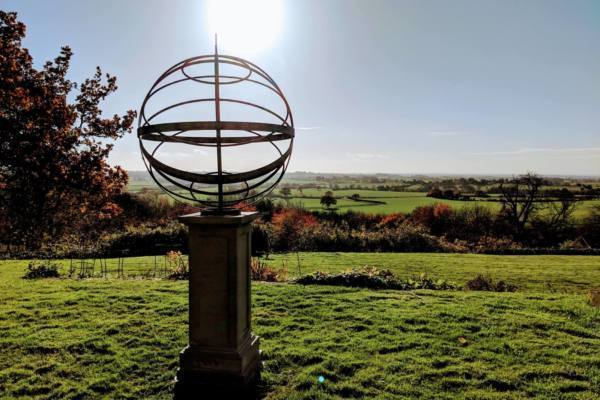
244,26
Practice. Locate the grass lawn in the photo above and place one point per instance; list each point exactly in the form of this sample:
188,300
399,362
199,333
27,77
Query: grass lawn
97,338
533,273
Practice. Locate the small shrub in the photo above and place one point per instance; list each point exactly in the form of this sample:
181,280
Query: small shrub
143,239
493,244
435,217
178,268
593,297
42,269
373,278
261,271
290,226
261,238
575,244
423,281
486,283
393,220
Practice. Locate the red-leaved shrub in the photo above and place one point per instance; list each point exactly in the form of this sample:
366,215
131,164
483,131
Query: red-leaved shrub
393,220
435,217
289,225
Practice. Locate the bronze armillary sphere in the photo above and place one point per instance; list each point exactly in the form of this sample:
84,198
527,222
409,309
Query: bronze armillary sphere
217,188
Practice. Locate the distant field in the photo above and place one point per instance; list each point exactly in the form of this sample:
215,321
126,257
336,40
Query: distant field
403,202
372,194
137,186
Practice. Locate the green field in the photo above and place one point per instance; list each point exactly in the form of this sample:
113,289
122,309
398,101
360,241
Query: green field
371,194
115,338
403,202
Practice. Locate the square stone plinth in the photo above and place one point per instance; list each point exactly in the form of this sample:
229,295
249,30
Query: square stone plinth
222,353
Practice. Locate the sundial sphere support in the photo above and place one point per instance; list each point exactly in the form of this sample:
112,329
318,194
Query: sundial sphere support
223,355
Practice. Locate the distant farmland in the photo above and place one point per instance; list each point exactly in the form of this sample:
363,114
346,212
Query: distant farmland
387,201
403,202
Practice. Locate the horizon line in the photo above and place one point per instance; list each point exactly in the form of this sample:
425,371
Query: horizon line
429,174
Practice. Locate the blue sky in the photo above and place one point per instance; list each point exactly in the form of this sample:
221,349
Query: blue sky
471,87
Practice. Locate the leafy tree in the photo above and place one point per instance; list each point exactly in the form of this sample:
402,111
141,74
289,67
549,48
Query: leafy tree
590,228
328,200
449,194
561,210
285,191
266,207
435,192
54,175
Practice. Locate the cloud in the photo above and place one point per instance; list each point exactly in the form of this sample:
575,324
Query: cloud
448,133
367,156
176,154
594,151
307,128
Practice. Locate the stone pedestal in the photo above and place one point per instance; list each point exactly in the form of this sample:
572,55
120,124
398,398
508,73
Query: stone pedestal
222,356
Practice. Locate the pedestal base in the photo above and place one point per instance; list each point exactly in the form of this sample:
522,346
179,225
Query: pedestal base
204,391
219,374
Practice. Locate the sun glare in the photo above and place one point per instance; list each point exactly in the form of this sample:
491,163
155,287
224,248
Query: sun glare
244,26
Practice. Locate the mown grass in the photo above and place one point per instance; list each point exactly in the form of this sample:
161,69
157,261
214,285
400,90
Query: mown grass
549,273
109,338
531,272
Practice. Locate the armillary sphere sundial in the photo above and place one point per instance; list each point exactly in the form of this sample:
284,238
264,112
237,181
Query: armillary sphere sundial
219,189
217,134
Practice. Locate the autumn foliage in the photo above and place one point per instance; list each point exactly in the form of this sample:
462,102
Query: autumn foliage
435,217
291,224
54,175
392,220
